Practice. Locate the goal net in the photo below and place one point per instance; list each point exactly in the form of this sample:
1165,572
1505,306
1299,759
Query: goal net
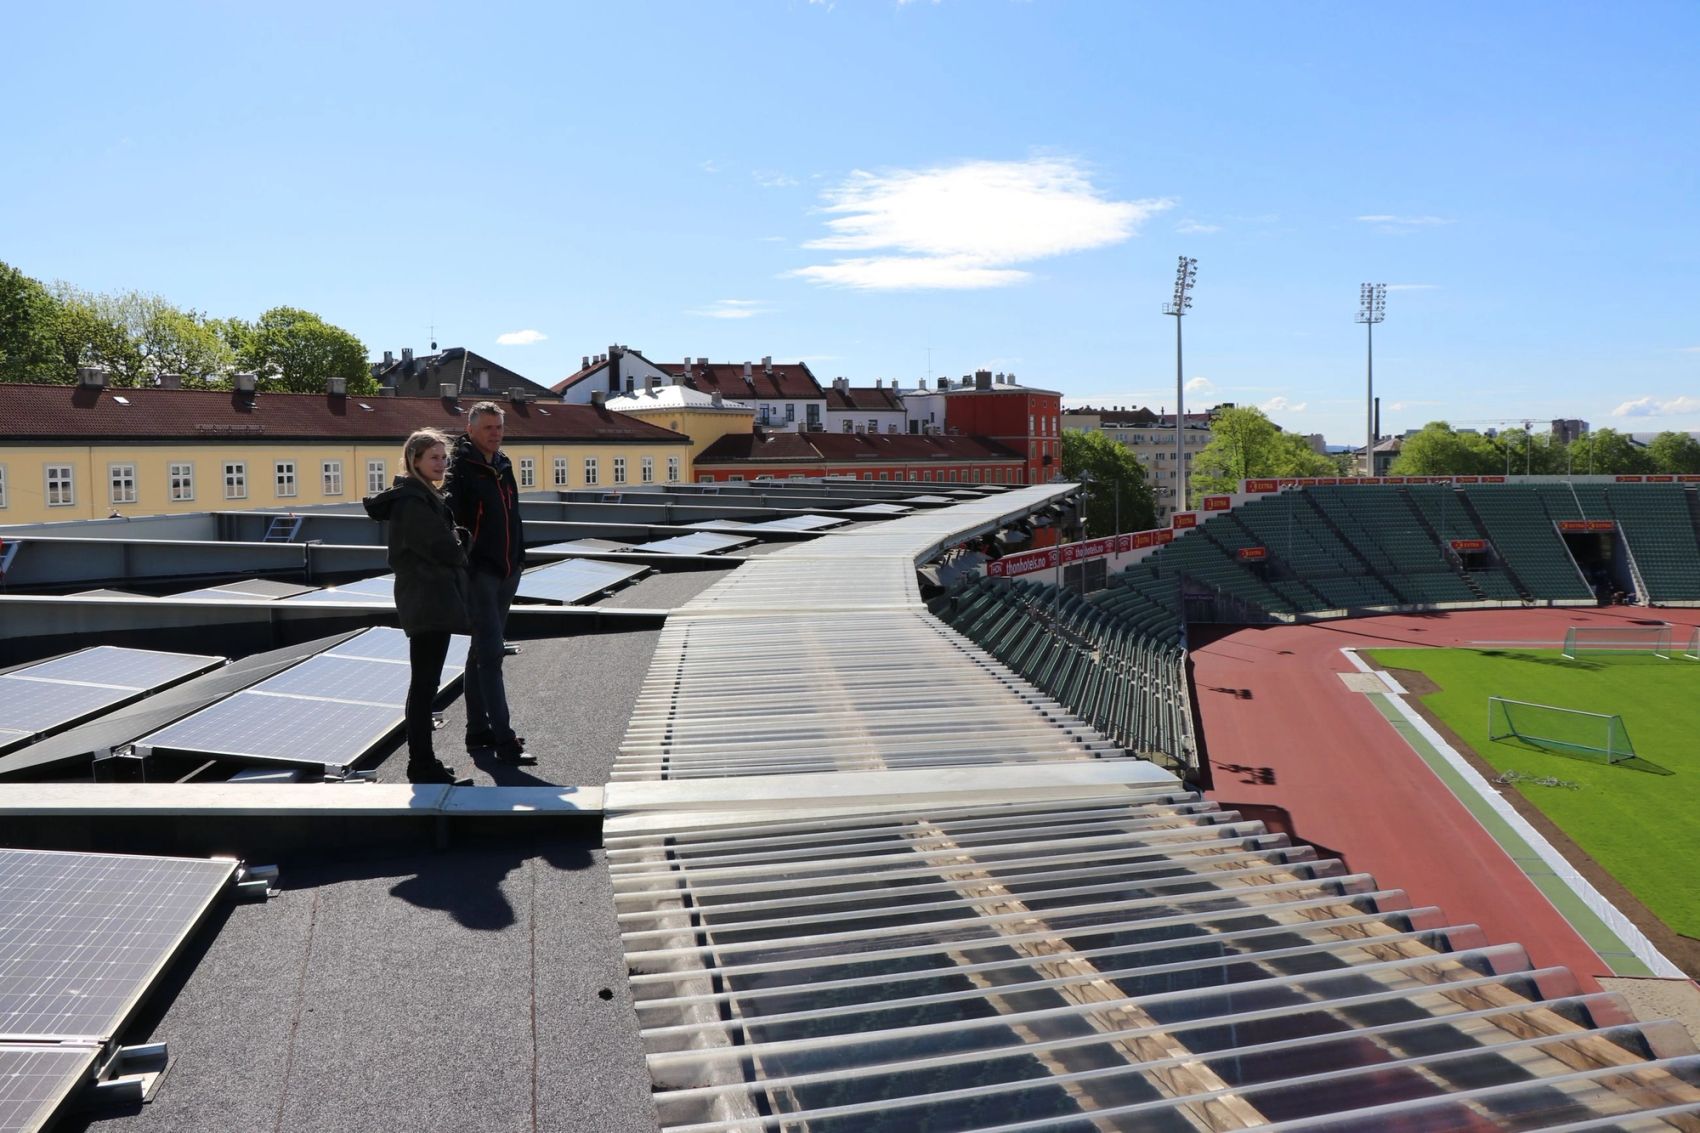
1617,639
1691,651
1569,731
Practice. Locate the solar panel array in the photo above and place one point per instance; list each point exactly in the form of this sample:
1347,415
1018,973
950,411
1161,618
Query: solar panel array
327,711
40,699
575,580
1111,957
83,937
701,543
248,588
378,589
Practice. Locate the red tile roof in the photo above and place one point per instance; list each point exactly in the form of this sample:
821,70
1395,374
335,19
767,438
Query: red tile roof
32,414
867,398
788,380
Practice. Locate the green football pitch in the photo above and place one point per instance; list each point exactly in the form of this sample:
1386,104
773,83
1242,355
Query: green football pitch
1639,819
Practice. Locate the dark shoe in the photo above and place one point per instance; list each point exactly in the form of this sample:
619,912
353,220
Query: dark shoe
478,743
515,753
434,772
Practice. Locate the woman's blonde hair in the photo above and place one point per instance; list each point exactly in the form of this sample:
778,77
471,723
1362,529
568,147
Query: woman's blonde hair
416,445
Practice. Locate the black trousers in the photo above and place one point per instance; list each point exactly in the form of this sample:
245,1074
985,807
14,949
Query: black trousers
426,651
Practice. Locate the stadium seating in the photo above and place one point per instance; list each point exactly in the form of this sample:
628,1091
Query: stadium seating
1518,519
1658,524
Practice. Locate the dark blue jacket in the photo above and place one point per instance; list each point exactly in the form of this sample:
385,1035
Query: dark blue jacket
429,565
485,500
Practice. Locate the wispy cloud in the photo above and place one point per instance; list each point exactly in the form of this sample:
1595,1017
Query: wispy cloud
733,309
771,239
1199,385
520,338
1195,228
1654,407
1402,225
1399,406
711,166
1413,287
966,226
773,178
1690,349
1280,404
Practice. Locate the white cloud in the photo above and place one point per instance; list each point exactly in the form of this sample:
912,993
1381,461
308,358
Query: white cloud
711,167
771,239
1413,287
733,309
1653,407
1280,404
773,178
520,338
1690,349
1194,228
966,226
1402,225
1199,385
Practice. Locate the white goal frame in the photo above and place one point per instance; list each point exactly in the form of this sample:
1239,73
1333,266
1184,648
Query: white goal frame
1613,738
1617,639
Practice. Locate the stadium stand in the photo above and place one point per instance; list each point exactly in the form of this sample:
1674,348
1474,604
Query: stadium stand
1659,526
1518,520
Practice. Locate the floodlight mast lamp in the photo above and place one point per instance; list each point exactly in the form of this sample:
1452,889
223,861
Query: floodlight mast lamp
1186,274
1372,308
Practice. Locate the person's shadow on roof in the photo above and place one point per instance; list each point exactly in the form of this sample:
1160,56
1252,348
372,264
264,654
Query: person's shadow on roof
467,882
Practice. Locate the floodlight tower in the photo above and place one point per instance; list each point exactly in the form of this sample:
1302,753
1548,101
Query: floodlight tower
1372,308
1186,274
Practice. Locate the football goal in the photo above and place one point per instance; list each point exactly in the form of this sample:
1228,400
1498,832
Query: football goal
1617,639
1569,731
1691,651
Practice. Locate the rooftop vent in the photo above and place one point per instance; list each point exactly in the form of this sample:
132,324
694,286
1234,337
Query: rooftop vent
336,387
448,391
598,398
407,355
92,376
244,383
171,381
518,394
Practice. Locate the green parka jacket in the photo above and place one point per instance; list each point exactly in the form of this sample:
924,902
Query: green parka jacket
426,555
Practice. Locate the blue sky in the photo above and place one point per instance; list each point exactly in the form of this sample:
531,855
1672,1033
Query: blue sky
888,190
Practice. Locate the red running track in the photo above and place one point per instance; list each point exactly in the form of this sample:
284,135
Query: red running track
1289,744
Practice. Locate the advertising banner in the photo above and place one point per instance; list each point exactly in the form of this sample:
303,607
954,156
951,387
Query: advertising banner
1184,519
1253,486
1252,554
1218,503
1469,544
1011,565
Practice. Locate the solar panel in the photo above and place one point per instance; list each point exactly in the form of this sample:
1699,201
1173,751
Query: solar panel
344,678
292,730
386,643
83,936
703,543
574,580
878,509
798,523
572,545
378,589
48,697
247,588
35,1079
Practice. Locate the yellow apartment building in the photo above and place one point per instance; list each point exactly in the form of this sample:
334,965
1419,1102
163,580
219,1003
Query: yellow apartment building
85,451
703,417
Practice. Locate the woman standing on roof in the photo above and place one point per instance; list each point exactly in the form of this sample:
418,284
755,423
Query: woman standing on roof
430,586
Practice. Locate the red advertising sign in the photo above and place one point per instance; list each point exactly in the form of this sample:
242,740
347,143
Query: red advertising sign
1011,565
1144,538
1493,479
1162,537
1573,525
1218,503
1602,525
1304,481
1687,478
1469,479
1324,481
1661,479
1469,544
1124,543
1096,547
1262,486
1399,480
1184,519
1630,479
1252,554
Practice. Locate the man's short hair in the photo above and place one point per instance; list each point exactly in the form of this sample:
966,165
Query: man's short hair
483,408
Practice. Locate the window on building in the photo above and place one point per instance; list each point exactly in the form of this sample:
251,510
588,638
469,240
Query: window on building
331,473
672,470
61,485
912,475
619,470
873,424
528,472
1030,424
790,412
2,485
561,472
285,473
739,476
814,414
704,478
849,425
885,475
121,483
590,476
646,470
867,475
182,481
376,475
235,480
795,476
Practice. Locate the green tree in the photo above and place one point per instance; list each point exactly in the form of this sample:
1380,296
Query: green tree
92,332
1119,493
1607,452
29,337
1439,450
1674,452
1246,444
296,351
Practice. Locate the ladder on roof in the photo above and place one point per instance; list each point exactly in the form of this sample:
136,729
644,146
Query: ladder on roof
8,552
282,529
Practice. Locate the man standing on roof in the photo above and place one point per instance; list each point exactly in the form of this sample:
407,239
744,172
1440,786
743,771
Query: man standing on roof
485,500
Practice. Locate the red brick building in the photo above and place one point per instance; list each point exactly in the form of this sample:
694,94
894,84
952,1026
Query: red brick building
1024,420
935,459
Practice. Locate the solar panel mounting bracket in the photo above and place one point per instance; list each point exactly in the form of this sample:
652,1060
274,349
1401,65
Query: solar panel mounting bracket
129,1077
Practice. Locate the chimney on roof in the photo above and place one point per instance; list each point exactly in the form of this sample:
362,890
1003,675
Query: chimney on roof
716,400
676,379
598,398
171,381
448,392
879,383
336,387
91,376
842,385
245,382
967,380
747,370
702,362
922,384
982,379
767,363
614,355
518,394
407,355
584,362
802,426
389,359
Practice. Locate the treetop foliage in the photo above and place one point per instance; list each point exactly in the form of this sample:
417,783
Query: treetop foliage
1440,450
1119,497
48,332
